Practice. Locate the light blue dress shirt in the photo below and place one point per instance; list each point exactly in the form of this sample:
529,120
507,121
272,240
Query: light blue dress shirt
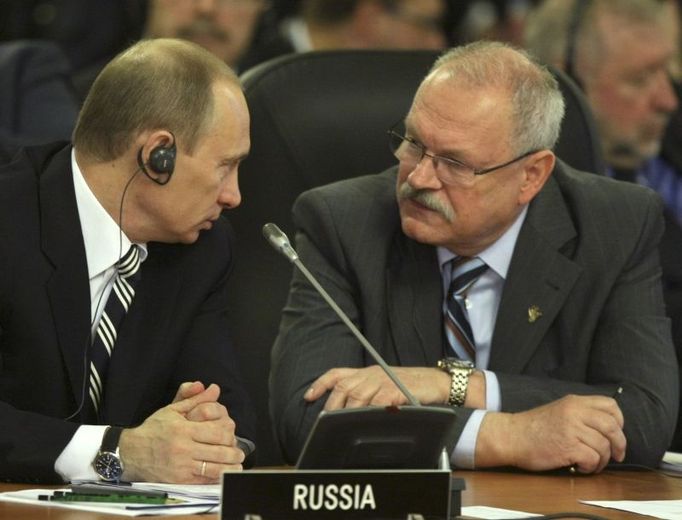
483,300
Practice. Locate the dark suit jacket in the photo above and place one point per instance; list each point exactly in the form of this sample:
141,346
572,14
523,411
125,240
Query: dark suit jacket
175,330
586,256
671,252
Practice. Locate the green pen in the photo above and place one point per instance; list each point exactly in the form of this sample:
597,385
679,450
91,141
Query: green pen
61,496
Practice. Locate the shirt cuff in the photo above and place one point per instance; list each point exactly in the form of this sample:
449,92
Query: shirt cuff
465,449
463,456
493,400
75,461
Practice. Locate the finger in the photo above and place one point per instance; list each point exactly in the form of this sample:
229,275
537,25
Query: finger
586,460
609,427
353,391
207,412
596,451
217,433
335,401
327,382
388,397
607,405
210,472
218,456
362,394
210,394
187,390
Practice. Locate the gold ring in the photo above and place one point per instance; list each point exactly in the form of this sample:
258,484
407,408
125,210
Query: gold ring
203,468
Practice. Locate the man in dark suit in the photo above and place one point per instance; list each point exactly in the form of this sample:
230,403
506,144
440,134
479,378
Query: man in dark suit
623,54
564,308
156,152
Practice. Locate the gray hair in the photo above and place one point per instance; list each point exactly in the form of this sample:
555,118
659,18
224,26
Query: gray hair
552,26
537,103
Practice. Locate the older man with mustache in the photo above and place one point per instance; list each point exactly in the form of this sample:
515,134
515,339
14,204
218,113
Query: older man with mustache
495,278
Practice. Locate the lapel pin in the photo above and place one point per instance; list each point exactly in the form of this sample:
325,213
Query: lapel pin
534,313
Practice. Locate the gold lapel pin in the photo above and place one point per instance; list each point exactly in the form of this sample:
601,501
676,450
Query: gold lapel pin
534,313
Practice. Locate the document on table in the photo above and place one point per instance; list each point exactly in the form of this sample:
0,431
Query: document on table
493,513
665,509
672,462
188,500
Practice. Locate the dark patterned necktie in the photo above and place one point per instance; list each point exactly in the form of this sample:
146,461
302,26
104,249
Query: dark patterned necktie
120,299
465,271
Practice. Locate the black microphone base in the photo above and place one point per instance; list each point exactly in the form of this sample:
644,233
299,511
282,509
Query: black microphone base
396,437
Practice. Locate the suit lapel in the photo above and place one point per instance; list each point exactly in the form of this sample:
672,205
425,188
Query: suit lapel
68,289
540,278
414,294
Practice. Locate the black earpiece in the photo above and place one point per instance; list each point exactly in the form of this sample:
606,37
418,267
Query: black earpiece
161,162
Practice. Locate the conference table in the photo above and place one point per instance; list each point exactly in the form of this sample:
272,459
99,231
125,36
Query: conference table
532,493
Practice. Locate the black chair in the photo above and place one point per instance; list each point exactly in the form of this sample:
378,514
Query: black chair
37,102
316,118
578,143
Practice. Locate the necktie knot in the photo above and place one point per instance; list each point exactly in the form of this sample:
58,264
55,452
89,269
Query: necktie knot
465,270
129,264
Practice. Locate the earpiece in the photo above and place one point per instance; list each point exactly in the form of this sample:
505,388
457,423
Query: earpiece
161,162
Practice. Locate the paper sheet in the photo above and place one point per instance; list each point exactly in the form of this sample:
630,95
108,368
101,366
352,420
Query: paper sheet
493,513
665,509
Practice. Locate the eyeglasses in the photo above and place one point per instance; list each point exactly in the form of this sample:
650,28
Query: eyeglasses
449,171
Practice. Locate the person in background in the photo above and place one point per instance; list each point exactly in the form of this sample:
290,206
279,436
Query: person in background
367,24
224,27
493,277
115,360
624,55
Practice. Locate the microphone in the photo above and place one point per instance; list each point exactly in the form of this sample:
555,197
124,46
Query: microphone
280,242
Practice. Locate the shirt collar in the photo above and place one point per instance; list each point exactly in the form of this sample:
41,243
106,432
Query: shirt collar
105,242
497,255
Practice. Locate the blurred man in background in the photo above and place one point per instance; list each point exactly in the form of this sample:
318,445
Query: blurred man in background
368,24
224,27
624,55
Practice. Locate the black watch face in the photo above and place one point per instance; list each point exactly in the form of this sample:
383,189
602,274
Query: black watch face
108,466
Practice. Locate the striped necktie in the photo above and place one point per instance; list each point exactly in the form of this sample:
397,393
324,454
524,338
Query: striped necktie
465,271
120,299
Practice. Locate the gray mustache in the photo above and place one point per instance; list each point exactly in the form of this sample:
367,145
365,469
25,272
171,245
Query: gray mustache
426,198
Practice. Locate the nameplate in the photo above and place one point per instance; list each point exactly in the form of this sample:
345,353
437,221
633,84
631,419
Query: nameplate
340,494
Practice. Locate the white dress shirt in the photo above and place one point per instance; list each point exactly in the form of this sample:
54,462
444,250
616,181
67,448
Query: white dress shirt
105,244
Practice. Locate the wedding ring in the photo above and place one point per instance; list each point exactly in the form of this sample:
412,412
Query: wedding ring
203,468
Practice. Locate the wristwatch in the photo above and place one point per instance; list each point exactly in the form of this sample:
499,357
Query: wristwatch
459,371
108,463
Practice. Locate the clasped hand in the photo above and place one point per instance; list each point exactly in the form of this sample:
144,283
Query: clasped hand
192,440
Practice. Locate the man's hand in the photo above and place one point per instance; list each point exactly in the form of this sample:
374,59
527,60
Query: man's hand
356,387
173,444
581,431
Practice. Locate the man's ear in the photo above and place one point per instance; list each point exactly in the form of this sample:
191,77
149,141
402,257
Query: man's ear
537,170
